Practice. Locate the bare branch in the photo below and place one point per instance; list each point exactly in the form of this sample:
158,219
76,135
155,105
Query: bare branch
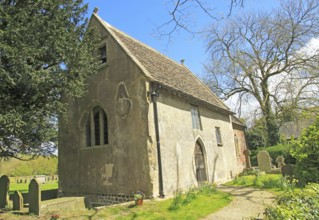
265,56
180,16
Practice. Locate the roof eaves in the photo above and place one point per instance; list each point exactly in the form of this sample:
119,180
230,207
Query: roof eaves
237,121
193,99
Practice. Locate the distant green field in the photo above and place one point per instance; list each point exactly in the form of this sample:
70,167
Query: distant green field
39,166
23,187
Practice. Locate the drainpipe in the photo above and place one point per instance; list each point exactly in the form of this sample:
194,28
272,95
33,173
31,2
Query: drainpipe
154,95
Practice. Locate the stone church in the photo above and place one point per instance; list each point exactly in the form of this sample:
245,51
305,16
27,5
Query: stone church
146,124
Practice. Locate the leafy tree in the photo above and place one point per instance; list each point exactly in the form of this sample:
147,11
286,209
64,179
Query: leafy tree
255,139
261,57
306,150
45,52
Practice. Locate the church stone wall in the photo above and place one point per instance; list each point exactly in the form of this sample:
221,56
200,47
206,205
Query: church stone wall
178,140
121,166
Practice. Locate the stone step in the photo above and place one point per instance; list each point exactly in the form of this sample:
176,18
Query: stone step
65,203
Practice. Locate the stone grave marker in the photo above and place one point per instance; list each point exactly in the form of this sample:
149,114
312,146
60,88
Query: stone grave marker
4,191
34,197
288,170
247,158
280,161
17,200
264,161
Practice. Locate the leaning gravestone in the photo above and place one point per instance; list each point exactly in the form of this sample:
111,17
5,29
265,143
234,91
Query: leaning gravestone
247,158
4,191
264,161
34,197
17,200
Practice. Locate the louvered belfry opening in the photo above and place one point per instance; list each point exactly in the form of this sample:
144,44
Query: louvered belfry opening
200,163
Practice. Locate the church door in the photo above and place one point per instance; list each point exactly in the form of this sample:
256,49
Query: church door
200,164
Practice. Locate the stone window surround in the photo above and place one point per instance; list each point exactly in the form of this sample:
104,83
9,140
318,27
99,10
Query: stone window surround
101,45
196,120
96,113
102,54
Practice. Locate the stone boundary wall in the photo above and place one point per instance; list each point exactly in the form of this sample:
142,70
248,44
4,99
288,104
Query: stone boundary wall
45,195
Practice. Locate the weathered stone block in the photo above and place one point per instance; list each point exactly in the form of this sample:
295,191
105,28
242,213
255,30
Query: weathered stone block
264,161
288,170
17,200
4,191
34,197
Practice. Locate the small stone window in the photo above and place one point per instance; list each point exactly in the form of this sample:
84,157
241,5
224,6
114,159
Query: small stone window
96,128
195,118
218,136
102,53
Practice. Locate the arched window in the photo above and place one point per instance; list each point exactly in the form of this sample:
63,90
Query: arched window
96,128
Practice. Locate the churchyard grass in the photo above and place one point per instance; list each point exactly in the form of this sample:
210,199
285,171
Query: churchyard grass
273,182
260,181
23,187
193,204
199,207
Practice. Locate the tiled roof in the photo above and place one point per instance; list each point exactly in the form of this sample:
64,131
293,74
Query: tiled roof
162,70
237,121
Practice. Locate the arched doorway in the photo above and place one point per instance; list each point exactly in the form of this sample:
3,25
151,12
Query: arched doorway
200,163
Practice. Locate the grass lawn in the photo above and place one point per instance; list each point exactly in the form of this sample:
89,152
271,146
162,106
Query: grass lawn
260,181
202,206
24,187
273,182
194,204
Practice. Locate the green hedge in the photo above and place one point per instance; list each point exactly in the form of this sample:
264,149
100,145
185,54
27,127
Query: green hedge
274,152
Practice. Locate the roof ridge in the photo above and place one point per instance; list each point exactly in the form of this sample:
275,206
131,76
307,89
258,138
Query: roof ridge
144,44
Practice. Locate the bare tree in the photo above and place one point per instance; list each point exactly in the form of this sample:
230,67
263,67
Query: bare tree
263,56
180,12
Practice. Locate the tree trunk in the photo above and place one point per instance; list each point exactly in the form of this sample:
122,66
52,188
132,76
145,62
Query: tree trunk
272,129
271,124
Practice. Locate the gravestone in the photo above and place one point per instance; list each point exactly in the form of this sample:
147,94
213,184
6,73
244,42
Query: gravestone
34,197
4,191
264,161
17,200
280,161
288,170
247,158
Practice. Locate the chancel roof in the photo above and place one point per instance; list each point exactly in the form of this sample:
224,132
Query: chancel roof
164,71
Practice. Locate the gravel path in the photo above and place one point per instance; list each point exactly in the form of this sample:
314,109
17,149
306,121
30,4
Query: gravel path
248,203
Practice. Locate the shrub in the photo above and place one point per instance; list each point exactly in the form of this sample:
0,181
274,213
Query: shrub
306,151
303,204
255,138
282,150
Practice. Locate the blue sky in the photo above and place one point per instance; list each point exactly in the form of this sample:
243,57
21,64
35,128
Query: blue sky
140,19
